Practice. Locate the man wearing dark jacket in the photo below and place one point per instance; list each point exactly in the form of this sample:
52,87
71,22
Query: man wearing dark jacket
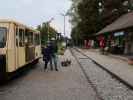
47,56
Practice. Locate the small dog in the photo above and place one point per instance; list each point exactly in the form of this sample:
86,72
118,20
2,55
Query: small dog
66,63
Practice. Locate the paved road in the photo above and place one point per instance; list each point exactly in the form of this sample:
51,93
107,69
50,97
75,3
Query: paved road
67,84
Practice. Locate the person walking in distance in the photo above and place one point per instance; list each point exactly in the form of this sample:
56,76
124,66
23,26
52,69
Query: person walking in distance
47,56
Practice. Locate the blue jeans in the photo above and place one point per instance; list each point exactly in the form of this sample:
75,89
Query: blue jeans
55,59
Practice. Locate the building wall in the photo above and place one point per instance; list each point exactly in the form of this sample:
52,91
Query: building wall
129,43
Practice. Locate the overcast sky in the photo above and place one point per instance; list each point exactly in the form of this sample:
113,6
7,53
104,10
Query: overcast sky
34,12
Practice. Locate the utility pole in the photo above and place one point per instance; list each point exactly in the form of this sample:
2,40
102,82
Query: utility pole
64,16
64,25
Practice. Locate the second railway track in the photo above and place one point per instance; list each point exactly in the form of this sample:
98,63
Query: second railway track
106,85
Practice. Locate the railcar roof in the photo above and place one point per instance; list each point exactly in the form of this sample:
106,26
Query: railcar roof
18,23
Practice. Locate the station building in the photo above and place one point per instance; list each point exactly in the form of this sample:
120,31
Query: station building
119,34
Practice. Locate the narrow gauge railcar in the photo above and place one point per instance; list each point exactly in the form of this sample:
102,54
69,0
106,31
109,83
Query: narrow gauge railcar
19,45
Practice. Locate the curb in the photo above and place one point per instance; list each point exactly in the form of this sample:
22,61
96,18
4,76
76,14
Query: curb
118,57
114,56
110,72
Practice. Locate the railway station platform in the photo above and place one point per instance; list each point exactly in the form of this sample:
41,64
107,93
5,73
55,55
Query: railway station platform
115,64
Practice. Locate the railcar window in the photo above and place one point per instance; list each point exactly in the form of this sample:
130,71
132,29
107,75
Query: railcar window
37,39
21,37
17,37
26,37
3,32
30,38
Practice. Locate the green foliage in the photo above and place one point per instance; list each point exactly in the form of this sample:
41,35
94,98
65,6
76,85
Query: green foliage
113,9
46,31
87,12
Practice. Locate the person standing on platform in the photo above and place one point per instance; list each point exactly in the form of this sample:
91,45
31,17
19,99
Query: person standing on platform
54,47
47,56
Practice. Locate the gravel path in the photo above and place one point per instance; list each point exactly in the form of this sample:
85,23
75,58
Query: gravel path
69,83
108,88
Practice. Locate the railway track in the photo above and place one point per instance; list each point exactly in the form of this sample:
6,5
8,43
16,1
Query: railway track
106,85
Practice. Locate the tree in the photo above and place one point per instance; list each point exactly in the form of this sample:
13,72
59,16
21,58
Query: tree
88,11
86,19
46,32
113,9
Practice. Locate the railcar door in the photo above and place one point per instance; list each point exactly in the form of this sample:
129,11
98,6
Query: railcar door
37,46
30,48
21,47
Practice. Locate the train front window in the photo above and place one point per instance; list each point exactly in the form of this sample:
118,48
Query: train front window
2,37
